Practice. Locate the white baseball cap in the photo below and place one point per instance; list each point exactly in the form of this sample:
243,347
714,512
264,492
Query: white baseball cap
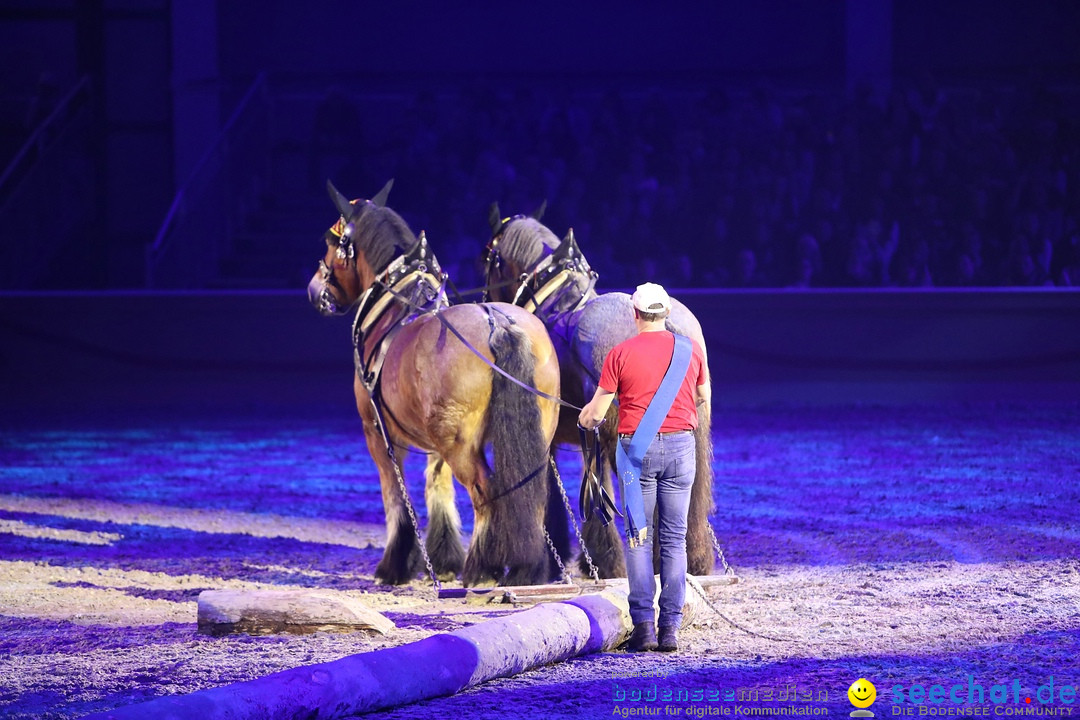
651,298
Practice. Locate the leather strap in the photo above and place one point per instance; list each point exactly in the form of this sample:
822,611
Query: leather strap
446,323
594,500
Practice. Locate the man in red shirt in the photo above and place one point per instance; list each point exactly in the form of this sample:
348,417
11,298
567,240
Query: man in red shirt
633,371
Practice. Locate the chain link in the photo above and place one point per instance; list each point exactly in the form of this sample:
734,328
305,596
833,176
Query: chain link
701,592
728,570
563,572
416,526
719,552
593,572
408,502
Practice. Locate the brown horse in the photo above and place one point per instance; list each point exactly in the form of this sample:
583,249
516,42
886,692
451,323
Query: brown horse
527,265
425,378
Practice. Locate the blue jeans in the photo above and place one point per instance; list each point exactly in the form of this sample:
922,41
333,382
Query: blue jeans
667,474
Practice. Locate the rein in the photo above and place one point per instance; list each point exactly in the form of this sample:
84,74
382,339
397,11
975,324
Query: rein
449,326
401,273
482,290
593,498
546,284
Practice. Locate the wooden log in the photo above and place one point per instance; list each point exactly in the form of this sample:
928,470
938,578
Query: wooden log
695,608
438,665
556,592
708,581
266,612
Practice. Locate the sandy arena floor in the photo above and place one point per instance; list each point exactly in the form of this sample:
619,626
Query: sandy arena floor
911,546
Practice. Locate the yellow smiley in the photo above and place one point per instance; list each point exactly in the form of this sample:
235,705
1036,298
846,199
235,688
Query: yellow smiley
862,693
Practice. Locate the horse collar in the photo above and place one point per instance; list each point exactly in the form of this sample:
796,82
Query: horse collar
549,280
414,285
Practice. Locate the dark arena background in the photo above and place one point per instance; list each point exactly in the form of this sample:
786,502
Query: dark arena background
871,205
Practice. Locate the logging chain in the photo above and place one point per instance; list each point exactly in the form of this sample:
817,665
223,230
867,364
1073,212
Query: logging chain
700,591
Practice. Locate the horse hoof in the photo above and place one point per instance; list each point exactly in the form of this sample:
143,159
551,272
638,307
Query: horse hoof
480,577
447,569
388,580
387,574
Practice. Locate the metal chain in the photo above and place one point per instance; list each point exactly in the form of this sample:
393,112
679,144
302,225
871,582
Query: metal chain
728,570
593,573
563,572
719,552
701,592
405,497
416,526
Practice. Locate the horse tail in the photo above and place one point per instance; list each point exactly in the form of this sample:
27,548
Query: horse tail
700,558
519,486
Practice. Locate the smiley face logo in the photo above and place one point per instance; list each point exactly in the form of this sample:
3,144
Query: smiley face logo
862,693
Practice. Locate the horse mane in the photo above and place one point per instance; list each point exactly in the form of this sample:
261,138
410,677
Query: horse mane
524,241
382,235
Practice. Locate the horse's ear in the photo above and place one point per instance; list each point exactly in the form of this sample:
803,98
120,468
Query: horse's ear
344,207
380,199
494,218
538,213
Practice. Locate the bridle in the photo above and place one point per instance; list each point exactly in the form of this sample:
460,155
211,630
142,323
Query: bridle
344,249
493,260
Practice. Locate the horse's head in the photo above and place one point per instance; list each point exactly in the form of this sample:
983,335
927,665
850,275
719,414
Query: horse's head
366,237
517,244
526,264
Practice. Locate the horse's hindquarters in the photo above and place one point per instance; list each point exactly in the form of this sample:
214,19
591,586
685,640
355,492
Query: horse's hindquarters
437,378
442,395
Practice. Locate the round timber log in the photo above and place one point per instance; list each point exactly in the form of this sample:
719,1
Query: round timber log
435,666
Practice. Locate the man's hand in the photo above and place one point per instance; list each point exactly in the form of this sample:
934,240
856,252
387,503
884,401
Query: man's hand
596,409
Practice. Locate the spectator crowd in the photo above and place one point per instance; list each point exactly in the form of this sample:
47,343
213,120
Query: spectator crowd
928,186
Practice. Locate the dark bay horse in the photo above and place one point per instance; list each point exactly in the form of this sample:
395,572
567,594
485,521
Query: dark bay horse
527,265
435,393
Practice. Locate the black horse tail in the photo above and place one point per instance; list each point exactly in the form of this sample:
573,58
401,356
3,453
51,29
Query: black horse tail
520,485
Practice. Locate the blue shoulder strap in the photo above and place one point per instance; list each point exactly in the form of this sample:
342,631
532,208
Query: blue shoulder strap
628,462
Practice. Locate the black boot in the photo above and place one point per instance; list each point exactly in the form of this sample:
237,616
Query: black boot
643,638
669,641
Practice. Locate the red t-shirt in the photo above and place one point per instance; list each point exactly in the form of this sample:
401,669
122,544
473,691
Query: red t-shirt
634,369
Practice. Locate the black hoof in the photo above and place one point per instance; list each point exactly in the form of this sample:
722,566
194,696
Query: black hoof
477,575
398,568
